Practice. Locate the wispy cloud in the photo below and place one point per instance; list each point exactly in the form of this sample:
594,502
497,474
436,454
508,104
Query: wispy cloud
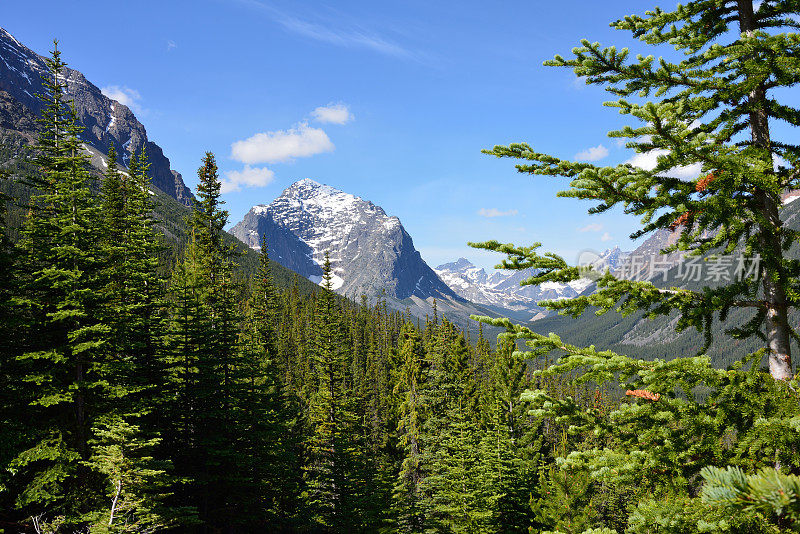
606,237
247,177
333,114
125,96
332,32
494,212
282,145
592,153
171,44
591,227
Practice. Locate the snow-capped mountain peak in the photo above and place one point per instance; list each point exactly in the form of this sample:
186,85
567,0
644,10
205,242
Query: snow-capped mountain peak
369,250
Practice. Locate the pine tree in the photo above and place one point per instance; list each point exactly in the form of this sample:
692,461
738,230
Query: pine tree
128,436
62,352
270,411
208,374
336,469
406,497
512,444
453,497
136,480
713,111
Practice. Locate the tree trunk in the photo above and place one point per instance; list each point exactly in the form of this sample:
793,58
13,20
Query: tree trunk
774,279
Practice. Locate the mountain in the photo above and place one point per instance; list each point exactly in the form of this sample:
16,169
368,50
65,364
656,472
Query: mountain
370,252
19,109
502,289
611,259
107,122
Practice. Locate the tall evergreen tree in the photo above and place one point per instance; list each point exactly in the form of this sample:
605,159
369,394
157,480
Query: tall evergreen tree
407,508
512,444
713,111
453,494
335,466
270,409
128,436
207,369
62,351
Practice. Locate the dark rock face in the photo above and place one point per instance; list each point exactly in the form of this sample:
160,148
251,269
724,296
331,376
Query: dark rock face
17,123
370,252
107,122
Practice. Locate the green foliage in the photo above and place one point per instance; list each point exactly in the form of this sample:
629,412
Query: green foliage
61,343
712,108
337,466
456,496
707,102
681,514
566,499
202,387
135,479
413,374
767,491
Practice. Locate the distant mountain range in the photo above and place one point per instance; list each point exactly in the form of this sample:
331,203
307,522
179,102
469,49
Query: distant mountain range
107,122
502,288
372,254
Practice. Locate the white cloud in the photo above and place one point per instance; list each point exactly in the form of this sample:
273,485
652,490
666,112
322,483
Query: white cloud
591,227
494,212
332,113
593,153
282,145
778,162
124,95
247,177
171,44
605,237
649,160
687,172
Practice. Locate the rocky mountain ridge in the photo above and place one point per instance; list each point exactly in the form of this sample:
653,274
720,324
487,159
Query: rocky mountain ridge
107,122
370,252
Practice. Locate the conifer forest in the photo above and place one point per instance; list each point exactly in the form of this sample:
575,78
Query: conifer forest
159,377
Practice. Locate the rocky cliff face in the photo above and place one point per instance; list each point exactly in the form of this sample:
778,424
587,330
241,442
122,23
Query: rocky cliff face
107,122
17,123
370,252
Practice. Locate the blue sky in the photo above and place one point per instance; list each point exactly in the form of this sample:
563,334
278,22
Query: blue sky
389,101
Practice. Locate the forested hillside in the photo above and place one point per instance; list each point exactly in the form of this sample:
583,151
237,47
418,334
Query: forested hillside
151,381
158,376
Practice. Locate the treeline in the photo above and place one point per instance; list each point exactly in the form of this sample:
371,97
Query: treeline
139,400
